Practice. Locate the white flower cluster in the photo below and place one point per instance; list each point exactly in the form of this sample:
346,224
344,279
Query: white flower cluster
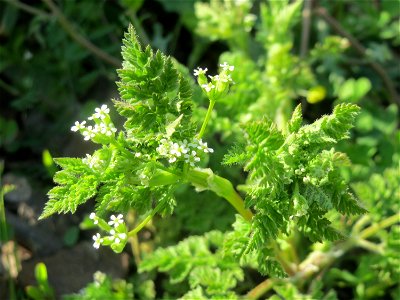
118,235
91,161
218,84
189,151
102,128
200,71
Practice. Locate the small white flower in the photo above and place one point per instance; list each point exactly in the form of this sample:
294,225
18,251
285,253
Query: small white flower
227,67
117,237
208,87
175,150
191,159
89,133
103,128
225,78
104,109
182,148
97,240
138,154
116,220
78,126
100,113
214,78
204,147
93,216
199,71
194,144
164,147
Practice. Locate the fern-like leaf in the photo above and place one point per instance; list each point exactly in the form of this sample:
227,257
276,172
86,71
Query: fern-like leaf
153,93
294,176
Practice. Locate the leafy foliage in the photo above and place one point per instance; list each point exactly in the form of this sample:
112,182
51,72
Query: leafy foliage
296,180
376,272
156,100
290,291
380,193
294,176
153,94
104,287
209,272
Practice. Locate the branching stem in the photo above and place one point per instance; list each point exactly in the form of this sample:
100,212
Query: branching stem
317,260
206,119
374,228
394,96
205,179
134,231
260,289
80,39
30,9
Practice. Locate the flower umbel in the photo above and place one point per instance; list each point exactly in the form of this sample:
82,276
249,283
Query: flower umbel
219,84
93,217
97,240
102,130
189,152
116,220
78,126
200,71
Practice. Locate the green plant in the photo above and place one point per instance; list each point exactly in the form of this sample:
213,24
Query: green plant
293,180
103,287
43,290
284,231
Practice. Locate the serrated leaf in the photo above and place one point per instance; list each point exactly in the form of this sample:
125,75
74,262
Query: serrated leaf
296,120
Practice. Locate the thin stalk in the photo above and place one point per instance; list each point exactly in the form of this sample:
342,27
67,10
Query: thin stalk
373,229
80,39
206,119
30,9
134,231
305,28
370,246
318,260
260,289
391,87
133,240
361,222
285,263
3,226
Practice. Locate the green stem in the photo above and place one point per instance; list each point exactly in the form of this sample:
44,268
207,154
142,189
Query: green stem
134,231
260,289
3,226
133,240
361,222
371,230
206,119
320,260
205,179
80,39
28,8
370,246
